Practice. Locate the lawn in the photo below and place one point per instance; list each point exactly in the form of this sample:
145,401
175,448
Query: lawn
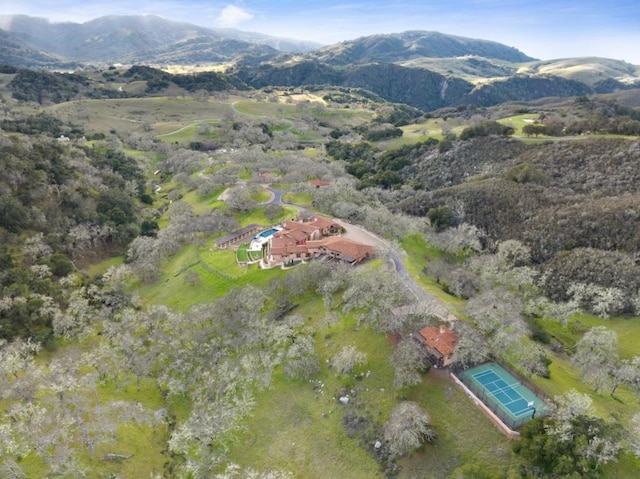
301,199
517,122
217,272
261,196
468,443
241,253
256,215
296,425
418,254
163,114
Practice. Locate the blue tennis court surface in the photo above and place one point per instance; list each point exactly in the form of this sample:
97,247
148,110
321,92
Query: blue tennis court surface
512,401
505,393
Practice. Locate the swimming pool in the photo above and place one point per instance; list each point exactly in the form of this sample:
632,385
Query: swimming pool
265,234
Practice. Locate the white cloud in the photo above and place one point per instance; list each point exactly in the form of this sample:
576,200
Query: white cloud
231,16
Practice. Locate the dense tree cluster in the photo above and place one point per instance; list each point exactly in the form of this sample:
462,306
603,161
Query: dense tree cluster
572,441
58,204
486,128
563,201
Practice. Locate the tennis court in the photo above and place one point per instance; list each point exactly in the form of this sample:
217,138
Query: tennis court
511,400
507,394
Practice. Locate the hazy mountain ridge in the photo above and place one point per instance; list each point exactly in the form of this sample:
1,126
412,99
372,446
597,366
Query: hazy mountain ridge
13,51
397,47
426,70
147,39
430,70
417,87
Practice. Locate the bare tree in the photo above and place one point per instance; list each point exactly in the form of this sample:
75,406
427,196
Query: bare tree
597,355
347,359
471,348
513,253
301,360
409,361
408,428
633,434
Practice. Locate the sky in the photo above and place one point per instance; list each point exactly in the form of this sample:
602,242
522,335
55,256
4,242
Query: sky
544,29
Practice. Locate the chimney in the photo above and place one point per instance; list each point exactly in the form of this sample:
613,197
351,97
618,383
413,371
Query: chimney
443,329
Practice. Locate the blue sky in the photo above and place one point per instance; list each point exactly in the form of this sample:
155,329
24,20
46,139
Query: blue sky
543,29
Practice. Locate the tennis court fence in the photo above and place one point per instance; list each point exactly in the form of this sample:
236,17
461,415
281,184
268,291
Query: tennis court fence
532,387
495,405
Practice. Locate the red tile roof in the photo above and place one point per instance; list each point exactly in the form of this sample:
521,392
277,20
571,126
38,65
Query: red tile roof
319,183
296,237
284,244
441,339
307,227
322,222
345,247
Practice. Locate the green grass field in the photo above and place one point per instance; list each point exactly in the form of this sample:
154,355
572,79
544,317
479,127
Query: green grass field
468,443
241,253
418,253
144,443
334,117
162,114
217,270
627,329
432,128
517,122
302,199
297,428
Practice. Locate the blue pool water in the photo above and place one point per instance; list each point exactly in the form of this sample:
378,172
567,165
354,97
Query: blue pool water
267,233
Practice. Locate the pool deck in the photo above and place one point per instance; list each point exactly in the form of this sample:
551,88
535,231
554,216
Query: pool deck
258,240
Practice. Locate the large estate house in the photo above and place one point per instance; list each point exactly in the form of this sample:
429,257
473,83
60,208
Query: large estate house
305,239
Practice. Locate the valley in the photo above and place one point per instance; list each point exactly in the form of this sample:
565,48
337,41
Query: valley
506,207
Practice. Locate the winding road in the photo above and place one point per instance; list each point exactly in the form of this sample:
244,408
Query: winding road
358,233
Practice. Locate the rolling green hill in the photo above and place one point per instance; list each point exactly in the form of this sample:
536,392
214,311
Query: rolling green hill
405,46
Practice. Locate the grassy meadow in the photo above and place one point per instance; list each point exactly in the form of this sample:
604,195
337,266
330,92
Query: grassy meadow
297,425
161,115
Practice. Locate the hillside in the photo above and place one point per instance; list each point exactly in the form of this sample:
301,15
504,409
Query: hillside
134,344
426,70
591,71
409,45
431,70
131,39
417,87
14,51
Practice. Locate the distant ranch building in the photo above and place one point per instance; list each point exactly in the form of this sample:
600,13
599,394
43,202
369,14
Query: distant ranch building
319,183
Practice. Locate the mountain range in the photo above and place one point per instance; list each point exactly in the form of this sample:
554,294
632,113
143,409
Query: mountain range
427,70
131,39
